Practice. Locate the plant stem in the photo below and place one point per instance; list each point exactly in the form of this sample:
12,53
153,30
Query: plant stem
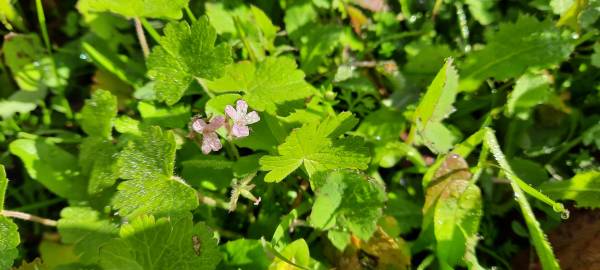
189,13
29,217
45,37
38,205
463,26
155,35
42,21
212,201
141,37
492,143
242,34
208,92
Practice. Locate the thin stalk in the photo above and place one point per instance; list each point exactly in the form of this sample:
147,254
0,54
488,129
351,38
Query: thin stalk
463,26
494,255
492,143
205,88
42,21
139,30
242,34
29,217
153,33
539,240
234,150
212,201
189,13
38,205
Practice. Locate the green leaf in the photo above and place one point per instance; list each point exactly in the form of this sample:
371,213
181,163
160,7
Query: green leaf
560,6
349,200
98,113
176,116
434,107
83,227
405,209
245,254
8,242
296,252
209,172
175,63
266,84
583,188
160,196
21,102
530,90
148,155
317,44
3,186
152,244
482,10
538,238
596,55
20,52
457,214
298,15
570,16
97,160
318,148
167,9
52,166
592,136
423,65
382,125
514,48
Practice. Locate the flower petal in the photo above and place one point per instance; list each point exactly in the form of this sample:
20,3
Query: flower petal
206,146
215,123
240,131
210,142
241,106
198,125
252,117
231,112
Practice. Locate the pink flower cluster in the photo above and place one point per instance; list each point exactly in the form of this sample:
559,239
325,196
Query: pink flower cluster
240,117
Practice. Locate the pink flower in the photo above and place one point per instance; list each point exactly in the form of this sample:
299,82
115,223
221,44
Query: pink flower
210,139
241,118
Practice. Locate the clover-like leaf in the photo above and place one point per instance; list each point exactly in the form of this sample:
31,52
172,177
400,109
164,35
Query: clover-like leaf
266,84
186,53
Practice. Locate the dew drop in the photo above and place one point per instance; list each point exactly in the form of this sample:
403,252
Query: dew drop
565,214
